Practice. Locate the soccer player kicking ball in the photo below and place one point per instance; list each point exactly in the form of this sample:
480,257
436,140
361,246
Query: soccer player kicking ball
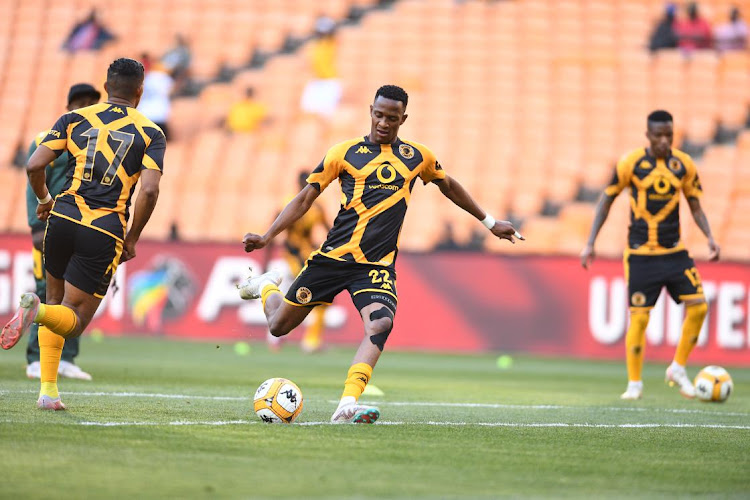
111,146
656,257
377,173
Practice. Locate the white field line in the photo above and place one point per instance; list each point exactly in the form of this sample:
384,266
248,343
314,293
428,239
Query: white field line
430,423
404,403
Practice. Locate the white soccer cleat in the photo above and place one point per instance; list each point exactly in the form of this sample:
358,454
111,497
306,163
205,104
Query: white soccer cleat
253,286
47,403
70,370
632,393
34,370
676,375
355,414
20,323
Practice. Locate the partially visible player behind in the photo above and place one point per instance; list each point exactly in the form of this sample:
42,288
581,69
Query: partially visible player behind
80,95
298,245
111,147
656,257
377,173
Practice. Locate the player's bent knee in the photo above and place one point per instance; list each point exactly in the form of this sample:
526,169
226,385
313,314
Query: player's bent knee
380,326
279,328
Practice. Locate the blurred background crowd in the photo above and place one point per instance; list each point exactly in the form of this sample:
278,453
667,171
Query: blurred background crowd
529,103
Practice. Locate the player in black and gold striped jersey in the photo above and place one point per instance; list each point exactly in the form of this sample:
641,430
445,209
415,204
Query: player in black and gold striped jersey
377,174
298,245
656,257
111,147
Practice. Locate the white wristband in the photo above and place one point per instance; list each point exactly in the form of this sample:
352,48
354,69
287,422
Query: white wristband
46,199
489,222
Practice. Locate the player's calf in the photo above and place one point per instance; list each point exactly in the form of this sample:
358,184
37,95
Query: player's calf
380,326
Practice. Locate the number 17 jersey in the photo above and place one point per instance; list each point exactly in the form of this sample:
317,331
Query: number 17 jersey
109,146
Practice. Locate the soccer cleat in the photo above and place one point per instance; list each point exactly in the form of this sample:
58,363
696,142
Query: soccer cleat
34,370
47,403
253,286
677,375
355,414
20,323
70,370
632,393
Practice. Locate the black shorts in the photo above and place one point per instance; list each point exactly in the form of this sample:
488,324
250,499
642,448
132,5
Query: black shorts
323,278
648,274
82,256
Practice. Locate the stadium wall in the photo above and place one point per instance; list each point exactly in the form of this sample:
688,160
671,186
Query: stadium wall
448,301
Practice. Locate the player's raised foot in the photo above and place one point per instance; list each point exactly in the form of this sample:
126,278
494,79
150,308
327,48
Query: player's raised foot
34,370
48,403
355,414
20,322
70,370
676,375
633,392
253,286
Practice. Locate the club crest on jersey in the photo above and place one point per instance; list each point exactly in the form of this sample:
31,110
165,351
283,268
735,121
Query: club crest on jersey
406,151
674,165
304,295
638,299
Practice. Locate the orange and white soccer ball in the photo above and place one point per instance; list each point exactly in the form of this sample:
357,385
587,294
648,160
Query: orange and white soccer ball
278,400
713,383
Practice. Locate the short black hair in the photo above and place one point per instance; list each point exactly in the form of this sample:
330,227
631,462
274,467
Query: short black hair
393,92
659,116
124,77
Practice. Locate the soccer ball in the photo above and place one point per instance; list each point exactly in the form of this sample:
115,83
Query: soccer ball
713,383
278,400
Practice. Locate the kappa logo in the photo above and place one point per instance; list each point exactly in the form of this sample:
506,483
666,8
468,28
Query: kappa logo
364,150
304,295
645,165
117,110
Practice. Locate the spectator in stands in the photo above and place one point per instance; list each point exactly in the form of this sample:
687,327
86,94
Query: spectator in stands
247,114
664,36
322,94
733,34
693,32
176,61
89,34
155,102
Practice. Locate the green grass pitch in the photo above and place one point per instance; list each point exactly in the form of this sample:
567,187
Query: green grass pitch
169,419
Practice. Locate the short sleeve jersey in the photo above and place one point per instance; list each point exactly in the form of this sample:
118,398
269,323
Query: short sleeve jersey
376,185
655,186
108,145
55,174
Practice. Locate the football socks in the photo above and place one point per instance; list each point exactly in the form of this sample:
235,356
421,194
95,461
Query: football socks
266,292
691,328
635,342
356,380
59,319
50,350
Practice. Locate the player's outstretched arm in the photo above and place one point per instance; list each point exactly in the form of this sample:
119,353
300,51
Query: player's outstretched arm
38,161
291,213
602,212
702,221
455,192
144,207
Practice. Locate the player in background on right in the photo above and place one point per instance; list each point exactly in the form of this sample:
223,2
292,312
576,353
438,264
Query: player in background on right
656,257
